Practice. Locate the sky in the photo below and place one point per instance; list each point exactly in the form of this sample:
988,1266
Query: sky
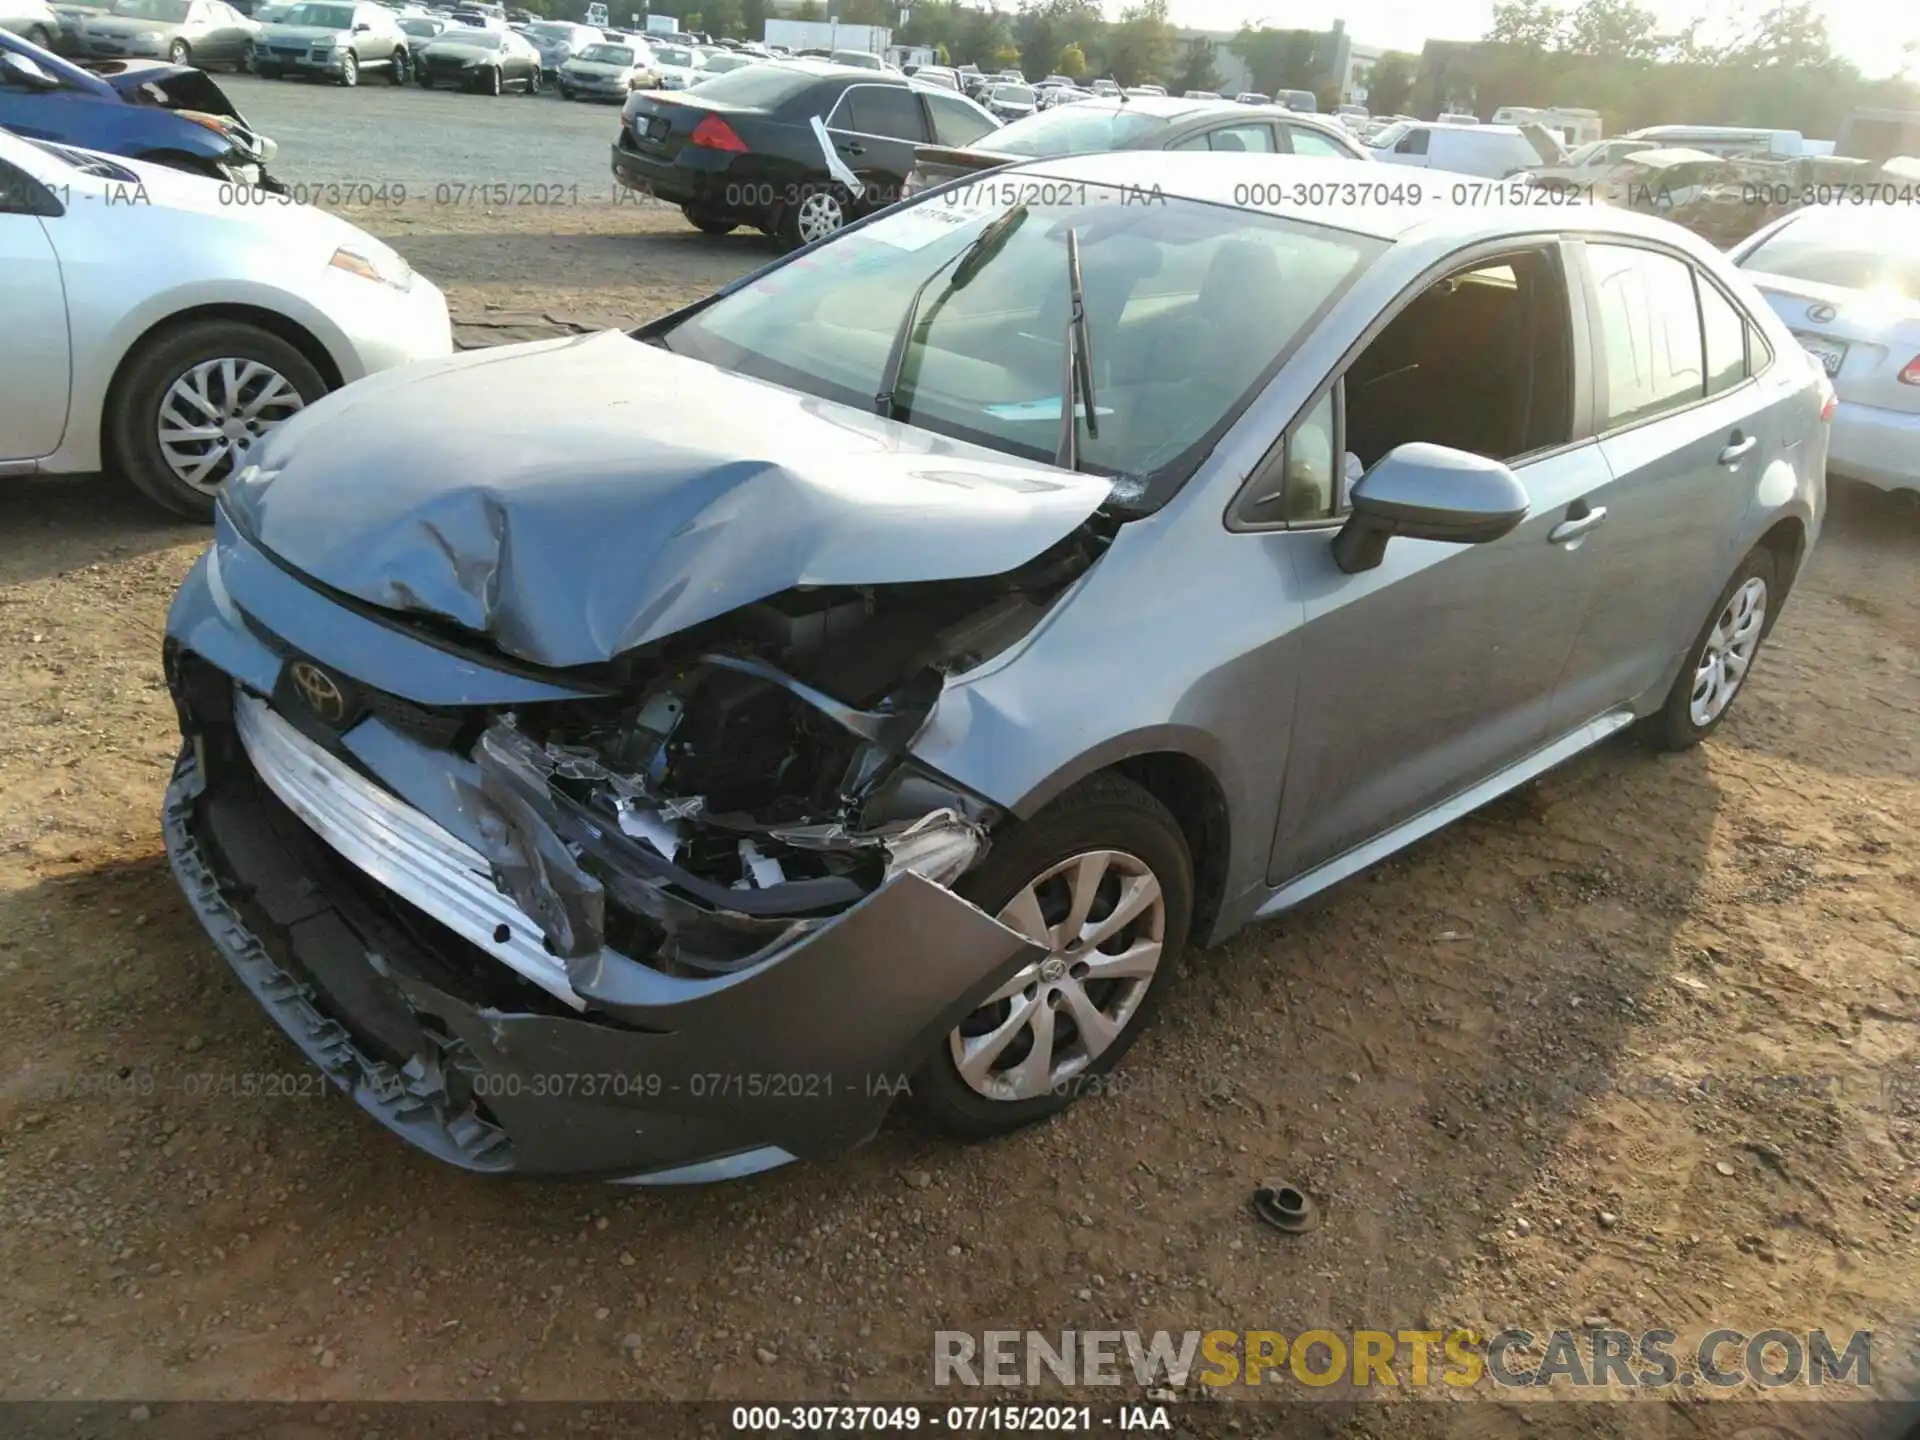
1867,32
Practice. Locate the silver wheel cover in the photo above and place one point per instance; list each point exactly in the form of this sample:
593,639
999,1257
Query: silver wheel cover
1728,653
214,411
820,216
1103,918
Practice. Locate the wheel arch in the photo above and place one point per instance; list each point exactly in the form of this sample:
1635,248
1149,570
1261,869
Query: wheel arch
1192,790
274,323
1786,541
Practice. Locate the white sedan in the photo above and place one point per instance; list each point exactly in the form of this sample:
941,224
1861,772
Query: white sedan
157,323
1846,279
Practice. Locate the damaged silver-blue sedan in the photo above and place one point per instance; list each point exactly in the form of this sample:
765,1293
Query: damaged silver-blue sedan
652,755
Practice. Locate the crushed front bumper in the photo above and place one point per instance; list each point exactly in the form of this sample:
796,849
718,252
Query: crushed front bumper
376,940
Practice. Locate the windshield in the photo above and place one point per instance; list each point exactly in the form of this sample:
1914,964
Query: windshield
172,12
1389,137
479,39
415,25
321,17
1076,130
721,64
1229,292
1013,94
1847,249
673,55
548,32
609,55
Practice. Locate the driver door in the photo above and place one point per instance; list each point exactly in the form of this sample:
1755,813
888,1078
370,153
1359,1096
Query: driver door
1437,669
36,373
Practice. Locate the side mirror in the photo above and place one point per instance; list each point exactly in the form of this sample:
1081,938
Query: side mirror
19,70
1428,492
363,28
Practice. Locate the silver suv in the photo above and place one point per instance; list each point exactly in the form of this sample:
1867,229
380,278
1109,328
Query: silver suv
334,38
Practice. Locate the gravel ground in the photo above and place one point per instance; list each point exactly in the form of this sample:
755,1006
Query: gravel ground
434,143
1638,1041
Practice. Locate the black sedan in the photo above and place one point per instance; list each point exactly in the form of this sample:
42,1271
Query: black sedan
489,61
1150,122
796,148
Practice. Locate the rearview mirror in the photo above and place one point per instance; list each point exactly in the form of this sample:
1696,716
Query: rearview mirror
19,70
1428,492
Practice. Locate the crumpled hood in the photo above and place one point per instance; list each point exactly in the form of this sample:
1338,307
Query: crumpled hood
571,499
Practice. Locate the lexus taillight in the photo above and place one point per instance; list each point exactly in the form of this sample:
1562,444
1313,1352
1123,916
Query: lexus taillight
1829,402
715,134
1911,375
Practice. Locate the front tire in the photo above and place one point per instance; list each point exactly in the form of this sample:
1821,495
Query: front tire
399,65
189,401
1103,878
709,224
41,36
180,53
349,70
490,82
534,82
1719,660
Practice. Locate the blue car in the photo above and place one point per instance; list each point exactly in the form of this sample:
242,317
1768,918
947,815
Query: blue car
144,109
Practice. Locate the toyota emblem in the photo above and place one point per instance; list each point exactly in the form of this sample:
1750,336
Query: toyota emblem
319,692
1821,314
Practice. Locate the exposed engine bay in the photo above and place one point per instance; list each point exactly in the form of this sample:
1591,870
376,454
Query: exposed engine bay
753,779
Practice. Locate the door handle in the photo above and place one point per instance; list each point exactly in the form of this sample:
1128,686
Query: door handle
1731,455
1579,525
853,149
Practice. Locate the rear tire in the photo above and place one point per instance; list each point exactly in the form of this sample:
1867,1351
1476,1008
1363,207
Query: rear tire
148,379
1107,814
424,80
1719,660
819,211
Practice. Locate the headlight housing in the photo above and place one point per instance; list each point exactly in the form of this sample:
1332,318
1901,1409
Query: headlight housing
373,262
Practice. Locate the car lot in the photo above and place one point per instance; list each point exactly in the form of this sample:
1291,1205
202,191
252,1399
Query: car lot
1584,1003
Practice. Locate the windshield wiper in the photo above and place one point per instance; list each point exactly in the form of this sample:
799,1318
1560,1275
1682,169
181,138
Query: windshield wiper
966,263
1078,381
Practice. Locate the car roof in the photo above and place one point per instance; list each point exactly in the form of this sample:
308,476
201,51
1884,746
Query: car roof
1217,177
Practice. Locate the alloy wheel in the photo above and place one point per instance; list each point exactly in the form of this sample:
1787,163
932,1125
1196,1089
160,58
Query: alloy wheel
1102,916
1728,653
820,215
214,411
178,52
349,69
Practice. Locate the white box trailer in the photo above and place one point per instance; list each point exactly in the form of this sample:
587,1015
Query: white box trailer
828,35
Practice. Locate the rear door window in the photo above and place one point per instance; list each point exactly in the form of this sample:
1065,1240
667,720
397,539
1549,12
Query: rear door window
892,111
954,121
1648,333
1256,136
1312,142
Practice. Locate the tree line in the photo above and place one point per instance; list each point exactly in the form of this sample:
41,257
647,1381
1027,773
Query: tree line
1772,67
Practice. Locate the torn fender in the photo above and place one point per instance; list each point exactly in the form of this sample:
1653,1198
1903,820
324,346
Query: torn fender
573,499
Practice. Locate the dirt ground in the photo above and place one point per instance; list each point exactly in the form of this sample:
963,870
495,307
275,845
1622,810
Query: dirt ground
1638,1042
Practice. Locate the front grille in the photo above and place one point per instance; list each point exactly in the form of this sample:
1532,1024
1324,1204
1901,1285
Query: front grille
430,725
